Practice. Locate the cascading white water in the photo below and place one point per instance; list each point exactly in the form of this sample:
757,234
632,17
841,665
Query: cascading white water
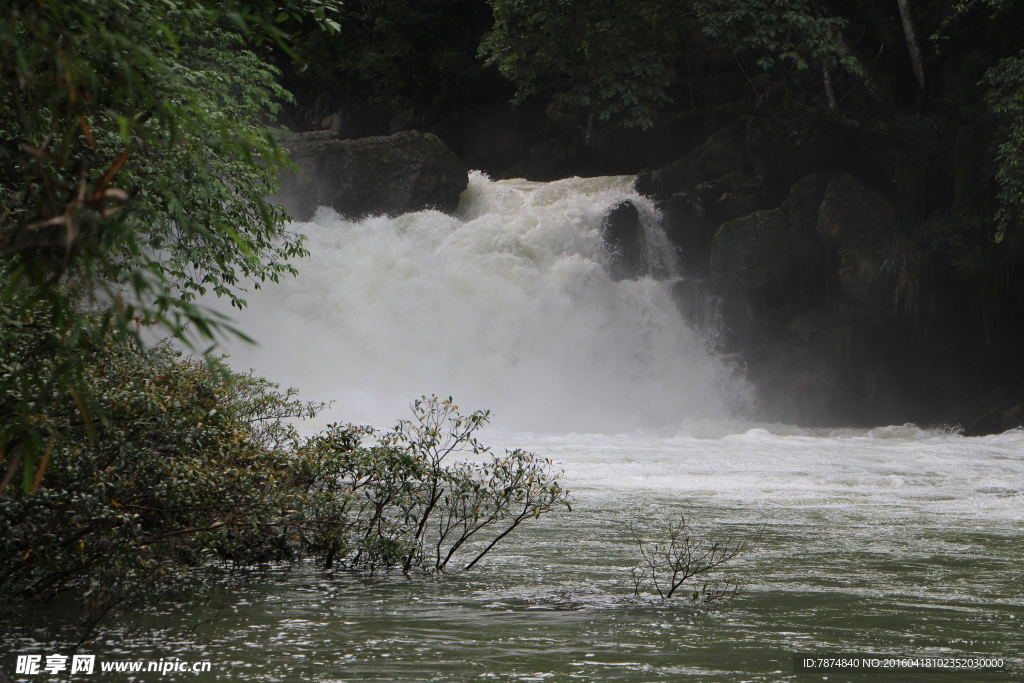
508,306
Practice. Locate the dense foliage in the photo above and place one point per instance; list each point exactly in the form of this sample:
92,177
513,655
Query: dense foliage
133,171
1005,99
134,158
397,51
605,57
621,60
190,468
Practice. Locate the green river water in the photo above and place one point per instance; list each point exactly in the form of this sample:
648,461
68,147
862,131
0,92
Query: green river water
900,542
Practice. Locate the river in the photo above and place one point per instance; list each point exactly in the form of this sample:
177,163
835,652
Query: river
892,541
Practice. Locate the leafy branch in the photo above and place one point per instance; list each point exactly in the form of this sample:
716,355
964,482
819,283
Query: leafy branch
668,564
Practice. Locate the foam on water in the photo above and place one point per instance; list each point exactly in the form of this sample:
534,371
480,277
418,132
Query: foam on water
900,474
508,306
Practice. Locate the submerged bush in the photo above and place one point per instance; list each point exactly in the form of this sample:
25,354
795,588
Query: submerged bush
183,465
668,564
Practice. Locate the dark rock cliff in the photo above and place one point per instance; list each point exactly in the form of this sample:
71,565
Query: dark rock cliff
826,289
395,174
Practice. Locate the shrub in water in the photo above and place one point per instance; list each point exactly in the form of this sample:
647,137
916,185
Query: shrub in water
682,554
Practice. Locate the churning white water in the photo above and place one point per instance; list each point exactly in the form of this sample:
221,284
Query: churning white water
508,306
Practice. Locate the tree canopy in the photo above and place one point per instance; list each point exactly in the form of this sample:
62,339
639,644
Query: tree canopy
133,169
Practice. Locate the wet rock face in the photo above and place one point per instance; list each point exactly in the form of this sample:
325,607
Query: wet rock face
395,174
856,223
996,421
721,155
849,210
775,257
689,227
821,281
813,263
698,306
624,235
753,255
811,345
730,196
700,191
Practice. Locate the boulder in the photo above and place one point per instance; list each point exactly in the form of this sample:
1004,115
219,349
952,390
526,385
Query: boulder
548,160
688,226
769,266
812,262
856,224
779,248
753,256
996,421
729,196
395,174
700,191
850,211
624,234
776,256
831,233
721,154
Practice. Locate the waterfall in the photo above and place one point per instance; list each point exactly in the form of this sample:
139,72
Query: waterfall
508,305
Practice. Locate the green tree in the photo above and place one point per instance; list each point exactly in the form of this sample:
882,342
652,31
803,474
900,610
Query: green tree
133,171
786,37
1005,101
620,60
399,51
611,59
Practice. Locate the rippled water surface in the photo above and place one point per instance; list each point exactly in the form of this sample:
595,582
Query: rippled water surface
896,541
